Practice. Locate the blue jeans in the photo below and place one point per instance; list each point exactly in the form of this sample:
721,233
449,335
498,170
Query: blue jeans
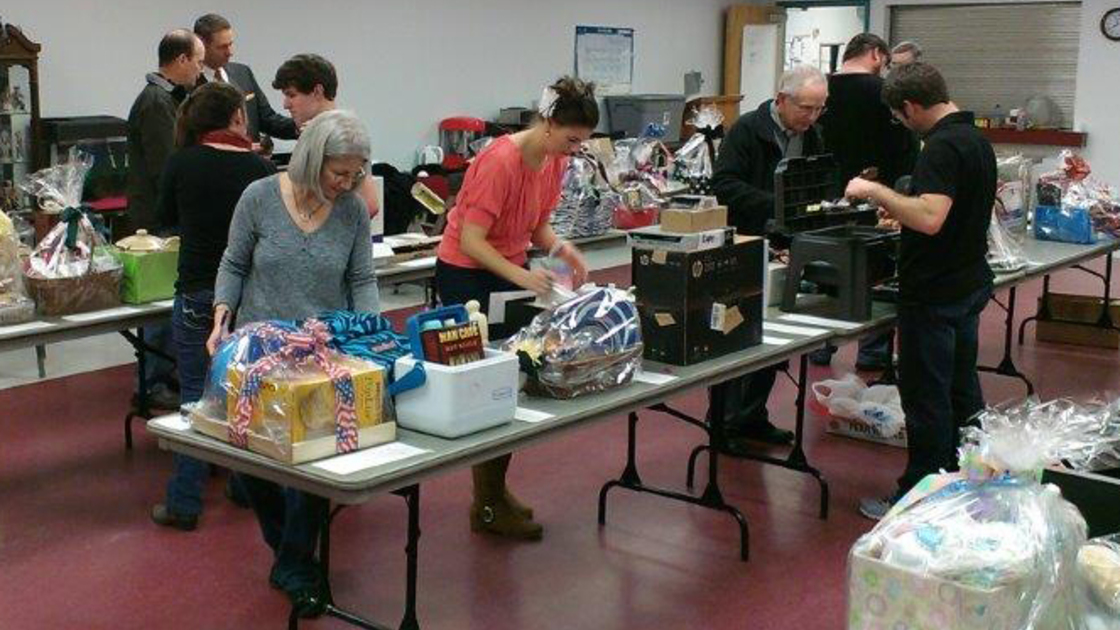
191,321
290,521
938,382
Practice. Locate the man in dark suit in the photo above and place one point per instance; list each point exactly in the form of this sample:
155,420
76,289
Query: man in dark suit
217,35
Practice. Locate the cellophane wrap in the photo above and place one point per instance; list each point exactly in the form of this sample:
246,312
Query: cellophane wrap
695,160
72,268
15,306
988,547
1008,228
582,212
1098,584
1032,434
1073,206
283,383
590,343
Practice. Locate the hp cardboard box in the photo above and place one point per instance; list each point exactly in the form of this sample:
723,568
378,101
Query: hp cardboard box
696,306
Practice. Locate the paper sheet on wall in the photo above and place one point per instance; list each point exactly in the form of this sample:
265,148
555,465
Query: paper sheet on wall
759,75
605,55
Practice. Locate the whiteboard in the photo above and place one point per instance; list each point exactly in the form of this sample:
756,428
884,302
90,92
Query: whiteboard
759,75
605,55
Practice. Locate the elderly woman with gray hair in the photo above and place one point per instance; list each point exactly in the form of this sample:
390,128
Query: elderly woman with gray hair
299,244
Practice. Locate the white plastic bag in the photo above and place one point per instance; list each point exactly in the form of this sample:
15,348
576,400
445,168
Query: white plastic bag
879,406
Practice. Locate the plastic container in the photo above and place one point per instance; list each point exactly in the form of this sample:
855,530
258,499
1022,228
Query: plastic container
458,400
630,114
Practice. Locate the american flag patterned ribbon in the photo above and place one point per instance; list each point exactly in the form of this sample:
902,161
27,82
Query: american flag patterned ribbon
310,341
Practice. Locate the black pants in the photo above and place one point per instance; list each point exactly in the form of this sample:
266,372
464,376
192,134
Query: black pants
745,401
459,285
938,382
290,522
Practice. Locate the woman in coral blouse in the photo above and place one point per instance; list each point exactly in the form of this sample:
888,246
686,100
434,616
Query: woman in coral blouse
503,208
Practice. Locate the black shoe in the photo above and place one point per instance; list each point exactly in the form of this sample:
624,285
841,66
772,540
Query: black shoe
237,498
308,602
766,433
158,398
872,365
163,516
822,356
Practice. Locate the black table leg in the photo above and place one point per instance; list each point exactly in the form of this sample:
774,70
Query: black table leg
1105,320
796,460
711,498
1006,365
411,496
1043,313
141,410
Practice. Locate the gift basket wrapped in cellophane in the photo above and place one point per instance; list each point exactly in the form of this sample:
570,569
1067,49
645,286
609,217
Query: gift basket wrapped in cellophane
989,546
1098,584
1074,207
582,212
589,343
279,389
15,306
72,269
695,160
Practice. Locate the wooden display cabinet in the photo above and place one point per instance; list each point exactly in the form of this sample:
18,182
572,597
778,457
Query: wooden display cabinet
19,116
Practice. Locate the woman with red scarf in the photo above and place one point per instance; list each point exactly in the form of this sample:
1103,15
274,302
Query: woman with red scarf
201,184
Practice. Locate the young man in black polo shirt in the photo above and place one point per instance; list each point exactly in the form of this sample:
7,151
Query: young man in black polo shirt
944,279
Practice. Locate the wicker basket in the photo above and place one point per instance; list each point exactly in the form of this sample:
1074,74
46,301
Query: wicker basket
64,296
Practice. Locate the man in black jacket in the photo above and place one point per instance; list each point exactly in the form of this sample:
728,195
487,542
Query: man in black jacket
744,181
943,273
217,34
151,122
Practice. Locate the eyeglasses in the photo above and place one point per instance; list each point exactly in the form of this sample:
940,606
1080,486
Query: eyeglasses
811,109
353,179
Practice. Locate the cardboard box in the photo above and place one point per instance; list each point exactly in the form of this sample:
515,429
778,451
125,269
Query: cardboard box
148,276
860,430
293,418
688,221
696,306
1074,321
655,237
884,596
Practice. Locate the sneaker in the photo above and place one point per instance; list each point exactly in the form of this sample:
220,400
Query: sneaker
159,397
875,508
161,515
822,356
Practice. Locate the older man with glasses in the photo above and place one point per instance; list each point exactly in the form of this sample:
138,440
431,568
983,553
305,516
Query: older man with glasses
784,126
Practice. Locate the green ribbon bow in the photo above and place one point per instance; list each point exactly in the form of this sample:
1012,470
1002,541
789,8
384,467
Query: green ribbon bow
72,217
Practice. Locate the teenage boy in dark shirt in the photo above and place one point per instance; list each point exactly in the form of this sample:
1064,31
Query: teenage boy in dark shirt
944,278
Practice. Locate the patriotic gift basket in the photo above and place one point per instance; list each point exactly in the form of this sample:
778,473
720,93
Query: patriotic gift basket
280,389
589,343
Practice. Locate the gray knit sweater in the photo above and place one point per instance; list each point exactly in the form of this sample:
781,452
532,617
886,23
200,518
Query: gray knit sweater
271,269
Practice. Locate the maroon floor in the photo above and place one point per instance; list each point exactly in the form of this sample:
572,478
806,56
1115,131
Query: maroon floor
77,549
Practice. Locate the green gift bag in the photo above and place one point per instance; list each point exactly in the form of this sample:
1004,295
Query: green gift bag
151,266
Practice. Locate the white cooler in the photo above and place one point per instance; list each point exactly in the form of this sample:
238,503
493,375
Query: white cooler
457,400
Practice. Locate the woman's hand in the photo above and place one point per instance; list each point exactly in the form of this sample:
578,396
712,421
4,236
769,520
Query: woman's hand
220,330
571,255
538,281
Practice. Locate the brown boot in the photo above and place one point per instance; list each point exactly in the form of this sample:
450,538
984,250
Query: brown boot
491,512
519,508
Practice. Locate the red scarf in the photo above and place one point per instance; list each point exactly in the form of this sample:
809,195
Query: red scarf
225,136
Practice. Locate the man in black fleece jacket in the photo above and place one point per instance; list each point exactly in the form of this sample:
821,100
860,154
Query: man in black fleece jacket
744,181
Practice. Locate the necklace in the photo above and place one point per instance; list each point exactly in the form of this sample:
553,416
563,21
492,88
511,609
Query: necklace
308,215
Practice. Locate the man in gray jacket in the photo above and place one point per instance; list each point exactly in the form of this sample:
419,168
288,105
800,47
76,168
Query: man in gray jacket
217,35
151,139
151,122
